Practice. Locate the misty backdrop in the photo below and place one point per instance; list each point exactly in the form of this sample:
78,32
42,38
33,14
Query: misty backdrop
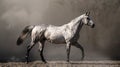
100,43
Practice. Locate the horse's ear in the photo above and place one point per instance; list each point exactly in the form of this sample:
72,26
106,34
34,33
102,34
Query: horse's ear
87,13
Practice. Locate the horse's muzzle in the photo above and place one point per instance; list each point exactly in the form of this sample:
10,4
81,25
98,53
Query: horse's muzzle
93,26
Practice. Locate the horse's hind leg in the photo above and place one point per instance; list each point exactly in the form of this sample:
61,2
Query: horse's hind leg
41,47
28,50
76,44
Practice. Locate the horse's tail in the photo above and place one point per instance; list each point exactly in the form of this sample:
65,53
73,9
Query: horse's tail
27,30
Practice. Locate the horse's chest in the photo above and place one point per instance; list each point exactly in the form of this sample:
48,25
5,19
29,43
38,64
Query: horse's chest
75,37
75,32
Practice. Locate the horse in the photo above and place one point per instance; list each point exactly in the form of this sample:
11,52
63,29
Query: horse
65,34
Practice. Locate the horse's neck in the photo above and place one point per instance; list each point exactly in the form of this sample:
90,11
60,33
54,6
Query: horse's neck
76,25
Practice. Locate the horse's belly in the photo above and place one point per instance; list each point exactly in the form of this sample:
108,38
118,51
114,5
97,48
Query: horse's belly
54,35
57,39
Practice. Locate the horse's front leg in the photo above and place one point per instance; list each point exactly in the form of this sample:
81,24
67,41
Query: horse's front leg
29,47
68,46
76,44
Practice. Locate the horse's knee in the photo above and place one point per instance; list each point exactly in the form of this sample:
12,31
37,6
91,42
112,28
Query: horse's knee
40,48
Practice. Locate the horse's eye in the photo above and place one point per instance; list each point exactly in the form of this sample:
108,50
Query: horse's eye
88,18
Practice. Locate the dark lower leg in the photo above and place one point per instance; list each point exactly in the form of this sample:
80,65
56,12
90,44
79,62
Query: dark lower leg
81,48
28,51
68,53
42,57
27,55
41,47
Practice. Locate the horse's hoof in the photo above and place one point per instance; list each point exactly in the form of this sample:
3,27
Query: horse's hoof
68,61
26,62
82,58
45,62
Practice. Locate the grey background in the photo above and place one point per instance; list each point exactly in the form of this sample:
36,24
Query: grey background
100,43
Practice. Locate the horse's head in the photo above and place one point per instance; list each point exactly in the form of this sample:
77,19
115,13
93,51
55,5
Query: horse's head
87,21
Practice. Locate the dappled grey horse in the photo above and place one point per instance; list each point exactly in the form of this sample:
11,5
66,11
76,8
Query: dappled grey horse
66,34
